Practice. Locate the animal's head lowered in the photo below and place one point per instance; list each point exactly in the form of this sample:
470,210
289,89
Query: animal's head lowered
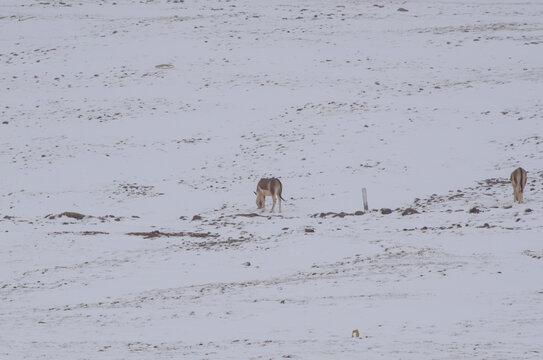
259,200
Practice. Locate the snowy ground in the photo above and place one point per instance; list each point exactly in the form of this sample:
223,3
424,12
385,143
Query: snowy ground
140,115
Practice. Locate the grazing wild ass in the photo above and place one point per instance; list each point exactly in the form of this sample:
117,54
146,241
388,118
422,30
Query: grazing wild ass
268,187
518,180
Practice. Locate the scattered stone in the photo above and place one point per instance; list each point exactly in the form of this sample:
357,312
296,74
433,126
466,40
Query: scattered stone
309,230
164,66
196,217
508,206
246,264
528,210
409,211
358,213
386,211
474,210
402,9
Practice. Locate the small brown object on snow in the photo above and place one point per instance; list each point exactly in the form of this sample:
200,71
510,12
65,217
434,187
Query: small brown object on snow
355,333
409,211
72,215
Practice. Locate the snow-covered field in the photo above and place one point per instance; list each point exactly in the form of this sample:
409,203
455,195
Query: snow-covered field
150,123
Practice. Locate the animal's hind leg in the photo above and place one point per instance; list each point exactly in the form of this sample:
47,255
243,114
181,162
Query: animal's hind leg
274,200
279,203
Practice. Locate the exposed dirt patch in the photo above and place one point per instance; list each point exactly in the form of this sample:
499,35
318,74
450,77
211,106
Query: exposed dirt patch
164,66
210,244
156,233
533,254
69,214
93,233
86,233
249,215
135,190
79,216
409,211
340,214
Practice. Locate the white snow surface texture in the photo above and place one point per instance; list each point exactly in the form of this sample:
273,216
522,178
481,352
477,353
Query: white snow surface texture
133,133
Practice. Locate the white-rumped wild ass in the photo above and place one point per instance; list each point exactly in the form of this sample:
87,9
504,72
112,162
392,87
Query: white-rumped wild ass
518,180
268,187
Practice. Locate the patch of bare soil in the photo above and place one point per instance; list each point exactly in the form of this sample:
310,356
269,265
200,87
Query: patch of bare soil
79,216
340,214
135,190
86,233
409,211
211,244
249,215
157,233
69,214
533,254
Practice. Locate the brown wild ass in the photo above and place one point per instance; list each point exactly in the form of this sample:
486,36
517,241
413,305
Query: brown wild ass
268,187
518,180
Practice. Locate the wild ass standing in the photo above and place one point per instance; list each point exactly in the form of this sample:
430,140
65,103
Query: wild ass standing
268,187
518,180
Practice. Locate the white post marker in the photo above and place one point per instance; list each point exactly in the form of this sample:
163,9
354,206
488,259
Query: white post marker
365,199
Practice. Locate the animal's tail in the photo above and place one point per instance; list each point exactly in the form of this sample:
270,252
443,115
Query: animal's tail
522,181
280,190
